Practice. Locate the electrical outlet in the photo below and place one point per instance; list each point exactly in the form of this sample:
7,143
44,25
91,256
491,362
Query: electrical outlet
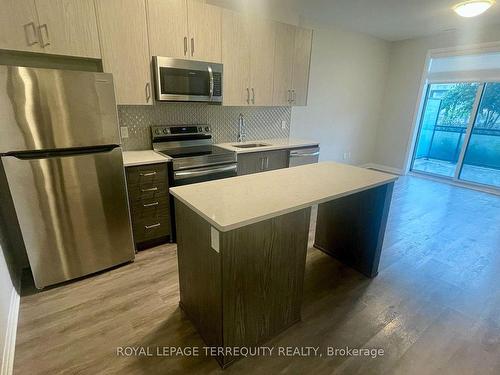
124,131
283,125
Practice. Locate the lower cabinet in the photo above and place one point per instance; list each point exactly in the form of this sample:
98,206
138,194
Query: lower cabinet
262,161
149,204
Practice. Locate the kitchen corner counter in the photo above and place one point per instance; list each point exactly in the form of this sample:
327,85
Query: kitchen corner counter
274,144
235,202
134,158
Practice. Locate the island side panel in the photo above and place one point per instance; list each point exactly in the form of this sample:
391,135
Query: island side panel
263,268
352,228
199,274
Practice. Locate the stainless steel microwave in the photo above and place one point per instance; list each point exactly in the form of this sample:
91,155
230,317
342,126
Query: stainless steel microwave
179,80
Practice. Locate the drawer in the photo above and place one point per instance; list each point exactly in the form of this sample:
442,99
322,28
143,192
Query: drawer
147,174
151,228
150,191
148,208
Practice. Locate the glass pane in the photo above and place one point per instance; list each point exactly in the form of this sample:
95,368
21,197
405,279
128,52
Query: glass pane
446,114
482,158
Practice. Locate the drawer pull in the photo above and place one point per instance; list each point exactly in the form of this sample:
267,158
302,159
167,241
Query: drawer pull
147,174
150,204
150,189
152,226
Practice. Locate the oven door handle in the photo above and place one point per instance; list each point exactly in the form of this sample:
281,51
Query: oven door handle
204,172
211,85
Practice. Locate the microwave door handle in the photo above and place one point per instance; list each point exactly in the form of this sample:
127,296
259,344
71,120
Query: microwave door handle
211,87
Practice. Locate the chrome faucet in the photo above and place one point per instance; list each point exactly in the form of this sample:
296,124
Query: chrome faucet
241,125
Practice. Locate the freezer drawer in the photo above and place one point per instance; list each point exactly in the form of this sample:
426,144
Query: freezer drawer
47,109
72,212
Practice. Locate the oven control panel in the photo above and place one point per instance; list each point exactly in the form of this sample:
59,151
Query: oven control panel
179,130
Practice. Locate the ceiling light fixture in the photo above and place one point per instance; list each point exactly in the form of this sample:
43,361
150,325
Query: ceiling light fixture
473,8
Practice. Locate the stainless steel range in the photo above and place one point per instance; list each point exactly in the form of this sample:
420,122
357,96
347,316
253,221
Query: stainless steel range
194,157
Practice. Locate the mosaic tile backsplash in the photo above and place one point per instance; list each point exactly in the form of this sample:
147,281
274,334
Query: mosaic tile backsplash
261,122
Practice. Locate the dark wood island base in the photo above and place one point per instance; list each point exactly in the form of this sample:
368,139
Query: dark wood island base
246,286
241,245
352,228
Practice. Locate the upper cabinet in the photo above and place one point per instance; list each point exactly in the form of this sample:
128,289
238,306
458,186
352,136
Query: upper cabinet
291,65
124,45
18,25
68,27
301,65
186,29
62,27
236,58
283,64
248,58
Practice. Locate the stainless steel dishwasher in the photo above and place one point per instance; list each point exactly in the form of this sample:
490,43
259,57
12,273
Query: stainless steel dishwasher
303,156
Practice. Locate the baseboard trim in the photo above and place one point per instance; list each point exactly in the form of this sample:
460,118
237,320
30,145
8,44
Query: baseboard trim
10,336
383,168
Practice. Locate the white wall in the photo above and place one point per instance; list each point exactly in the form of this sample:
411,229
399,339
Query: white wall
406,66
347,81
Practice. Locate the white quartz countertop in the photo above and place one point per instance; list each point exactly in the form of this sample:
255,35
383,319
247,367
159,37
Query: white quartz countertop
235,202
274,144
134,158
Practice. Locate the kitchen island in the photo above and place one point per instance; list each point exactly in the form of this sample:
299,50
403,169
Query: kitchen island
242,244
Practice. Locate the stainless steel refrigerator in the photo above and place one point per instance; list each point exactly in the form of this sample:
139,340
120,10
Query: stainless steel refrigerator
61,162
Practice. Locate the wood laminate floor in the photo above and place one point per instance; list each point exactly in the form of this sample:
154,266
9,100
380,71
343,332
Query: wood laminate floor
434,308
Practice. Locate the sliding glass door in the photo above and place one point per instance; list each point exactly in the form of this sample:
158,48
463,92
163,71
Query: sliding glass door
459,132
481,163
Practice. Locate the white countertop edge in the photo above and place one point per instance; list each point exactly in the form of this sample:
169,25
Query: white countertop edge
143,157
227,228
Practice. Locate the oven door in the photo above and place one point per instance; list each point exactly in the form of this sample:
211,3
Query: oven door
186,80
215,172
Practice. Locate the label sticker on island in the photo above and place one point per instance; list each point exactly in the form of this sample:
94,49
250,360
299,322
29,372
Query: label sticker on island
214,234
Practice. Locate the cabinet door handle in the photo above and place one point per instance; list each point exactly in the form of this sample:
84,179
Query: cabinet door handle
192,46
147,174
261,164
29,40
267,162
42,28
294,96
150,189
152,226
248,95
148,92
185,45
151,204
253,95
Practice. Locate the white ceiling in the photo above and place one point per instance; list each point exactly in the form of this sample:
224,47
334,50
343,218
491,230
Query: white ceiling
387,19
393,19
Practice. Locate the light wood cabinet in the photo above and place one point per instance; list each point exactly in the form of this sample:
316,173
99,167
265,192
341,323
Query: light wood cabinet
168,28
68,27
205,42
248,58
236,58
262,43
301,66
283,64
291,65
124,46
186,29
18,25
62,27
263,161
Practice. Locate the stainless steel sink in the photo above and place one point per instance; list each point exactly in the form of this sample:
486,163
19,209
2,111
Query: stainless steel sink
251,145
